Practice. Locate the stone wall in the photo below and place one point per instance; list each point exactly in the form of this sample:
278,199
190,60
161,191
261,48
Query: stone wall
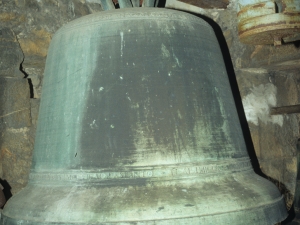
262,77
26,28
266,76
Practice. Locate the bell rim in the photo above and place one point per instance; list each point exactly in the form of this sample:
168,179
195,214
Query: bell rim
218,196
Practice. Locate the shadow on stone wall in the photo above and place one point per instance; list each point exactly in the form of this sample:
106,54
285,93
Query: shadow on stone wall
6,191
236,93
242,117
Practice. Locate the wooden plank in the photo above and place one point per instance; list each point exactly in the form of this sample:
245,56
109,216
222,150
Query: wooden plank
285,110
208,4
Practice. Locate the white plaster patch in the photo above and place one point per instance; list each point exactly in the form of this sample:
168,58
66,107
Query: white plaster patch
177,60
165,51
122,42
257,105
93,125
255,70
20,130
215,16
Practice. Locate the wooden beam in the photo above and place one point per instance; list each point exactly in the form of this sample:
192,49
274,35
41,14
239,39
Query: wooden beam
273,58
208,4
285,110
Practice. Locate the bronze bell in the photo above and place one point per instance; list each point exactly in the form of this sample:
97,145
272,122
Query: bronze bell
137,125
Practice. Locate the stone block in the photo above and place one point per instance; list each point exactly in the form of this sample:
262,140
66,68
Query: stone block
35,103
36,43
16,156
15,103
7,16
11,55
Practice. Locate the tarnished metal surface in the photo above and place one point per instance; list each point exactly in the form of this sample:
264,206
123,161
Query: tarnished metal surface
269,22
125,4
148,3
208,4
138,125
289,6
174,4
256,10
107,5
269,29
135,3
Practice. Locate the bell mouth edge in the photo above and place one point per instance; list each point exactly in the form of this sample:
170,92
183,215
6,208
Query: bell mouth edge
149,204
268,214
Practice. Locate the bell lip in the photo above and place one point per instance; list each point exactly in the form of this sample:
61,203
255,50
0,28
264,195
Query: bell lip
268,207
271,214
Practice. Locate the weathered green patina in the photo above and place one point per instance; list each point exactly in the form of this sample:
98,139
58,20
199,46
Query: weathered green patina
137,125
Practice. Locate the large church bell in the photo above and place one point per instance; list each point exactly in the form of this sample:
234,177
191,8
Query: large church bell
137,125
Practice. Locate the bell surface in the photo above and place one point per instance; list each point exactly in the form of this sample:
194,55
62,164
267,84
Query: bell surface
137,125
